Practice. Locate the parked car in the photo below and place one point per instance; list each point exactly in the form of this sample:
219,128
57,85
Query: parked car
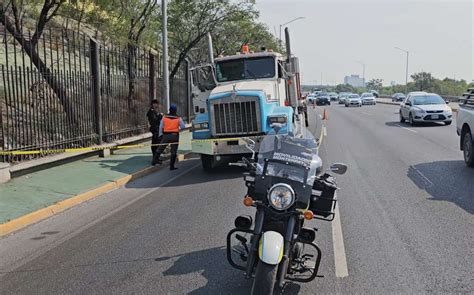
323,99
311,98
425,107
368,98
398,97
333,96
353,100
465,126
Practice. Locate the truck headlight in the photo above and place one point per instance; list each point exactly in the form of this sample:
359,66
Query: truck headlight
281,196
200,126
277,119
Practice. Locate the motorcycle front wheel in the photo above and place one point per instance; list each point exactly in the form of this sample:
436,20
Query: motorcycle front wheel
265,278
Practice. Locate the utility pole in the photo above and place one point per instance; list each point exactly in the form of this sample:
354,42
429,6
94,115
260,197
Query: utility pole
321,78
166,78
406,73
363,71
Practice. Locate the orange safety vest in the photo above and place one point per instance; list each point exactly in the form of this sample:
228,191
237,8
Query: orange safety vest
171,124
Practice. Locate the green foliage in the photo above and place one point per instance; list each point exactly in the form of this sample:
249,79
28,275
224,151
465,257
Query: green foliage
344,88
424,81
374,84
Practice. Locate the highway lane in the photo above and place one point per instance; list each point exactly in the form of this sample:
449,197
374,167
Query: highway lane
406,208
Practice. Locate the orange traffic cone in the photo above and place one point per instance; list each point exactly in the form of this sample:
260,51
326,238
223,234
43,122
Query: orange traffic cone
325,115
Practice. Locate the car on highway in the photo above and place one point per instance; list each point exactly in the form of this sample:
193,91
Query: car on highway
311,98
323,99
353,100
465,126
342,97
368,98
398,97
420,107
333,96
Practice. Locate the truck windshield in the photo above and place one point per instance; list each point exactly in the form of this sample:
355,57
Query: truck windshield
247,68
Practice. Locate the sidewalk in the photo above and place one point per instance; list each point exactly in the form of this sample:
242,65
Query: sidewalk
41,189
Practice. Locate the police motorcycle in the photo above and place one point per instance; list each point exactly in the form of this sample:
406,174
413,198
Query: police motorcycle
287,188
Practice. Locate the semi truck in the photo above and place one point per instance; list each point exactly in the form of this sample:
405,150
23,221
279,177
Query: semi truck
238,98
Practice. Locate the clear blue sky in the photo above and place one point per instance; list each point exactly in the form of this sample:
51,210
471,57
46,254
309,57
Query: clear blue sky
337,33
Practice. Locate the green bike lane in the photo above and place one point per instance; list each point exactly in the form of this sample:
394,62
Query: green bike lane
43,188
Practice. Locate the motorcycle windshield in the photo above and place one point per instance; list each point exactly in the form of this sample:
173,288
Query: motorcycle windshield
291,156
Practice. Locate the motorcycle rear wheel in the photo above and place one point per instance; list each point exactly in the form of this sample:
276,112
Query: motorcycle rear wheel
265,278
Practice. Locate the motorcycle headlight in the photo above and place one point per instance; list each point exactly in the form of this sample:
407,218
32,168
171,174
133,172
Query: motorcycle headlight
281,196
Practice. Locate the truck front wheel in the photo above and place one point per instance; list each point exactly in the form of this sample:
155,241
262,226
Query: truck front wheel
207,162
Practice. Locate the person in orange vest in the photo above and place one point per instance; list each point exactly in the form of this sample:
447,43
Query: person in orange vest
170,126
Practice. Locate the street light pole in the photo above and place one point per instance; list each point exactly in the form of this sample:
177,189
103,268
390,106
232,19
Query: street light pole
295,19
166,81
406,73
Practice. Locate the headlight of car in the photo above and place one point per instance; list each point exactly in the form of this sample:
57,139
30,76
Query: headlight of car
281,196
419,111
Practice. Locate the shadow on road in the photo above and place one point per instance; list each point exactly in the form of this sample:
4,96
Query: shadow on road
448,181
197,176
127,166
427,124
221,277
212,265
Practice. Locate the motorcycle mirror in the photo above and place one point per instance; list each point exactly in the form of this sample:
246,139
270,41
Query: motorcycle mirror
338,168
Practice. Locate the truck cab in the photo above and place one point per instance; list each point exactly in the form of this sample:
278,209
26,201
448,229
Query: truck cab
236,99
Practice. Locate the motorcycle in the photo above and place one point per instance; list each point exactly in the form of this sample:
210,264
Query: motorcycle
287,187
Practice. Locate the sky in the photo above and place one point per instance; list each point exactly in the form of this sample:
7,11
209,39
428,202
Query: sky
336,36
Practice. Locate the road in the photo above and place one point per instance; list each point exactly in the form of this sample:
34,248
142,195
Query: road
406,219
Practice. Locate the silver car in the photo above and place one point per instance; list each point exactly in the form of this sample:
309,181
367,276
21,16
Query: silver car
353,100
368,98
425,107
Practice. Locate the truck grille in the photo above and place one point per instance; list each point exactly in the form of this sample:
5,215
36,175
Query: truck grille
239,116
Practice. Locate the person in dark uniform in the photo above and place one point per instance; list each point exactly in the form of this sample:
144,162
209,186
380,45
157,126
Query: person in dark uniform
169,127
154,118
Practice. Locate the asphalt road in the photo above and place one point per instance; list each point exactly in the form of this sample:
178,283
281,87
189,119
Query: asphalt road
406,213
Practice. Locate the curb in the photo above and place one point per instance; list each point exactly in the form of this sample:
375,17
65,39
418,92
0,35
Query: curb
38,215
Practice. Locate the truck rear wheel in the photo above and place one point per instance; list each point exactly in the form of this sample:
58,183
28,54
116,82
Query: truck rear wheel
207,162
468,148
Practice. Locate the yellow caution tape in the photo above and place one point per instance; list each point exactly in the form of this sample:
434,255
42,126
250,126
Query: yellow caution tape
101,148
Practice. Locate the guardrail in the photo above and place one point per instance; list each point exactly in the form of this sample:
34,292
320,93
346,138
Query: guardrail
450,98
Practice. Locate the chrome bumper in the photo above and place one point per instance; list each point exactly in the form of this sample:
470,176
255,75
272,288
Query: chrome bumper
225,146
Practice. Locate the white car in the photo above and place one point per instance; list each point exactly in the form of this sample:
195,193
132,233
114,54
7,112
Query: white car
421,107
368,98
353,100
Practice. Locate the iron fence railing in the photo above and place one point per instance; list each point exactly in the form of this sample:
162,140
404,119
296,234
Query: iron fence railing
71,91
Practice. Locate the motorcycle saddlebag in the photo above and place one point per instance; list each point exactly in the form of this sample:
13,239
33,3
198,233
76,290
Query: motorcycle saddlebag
323,197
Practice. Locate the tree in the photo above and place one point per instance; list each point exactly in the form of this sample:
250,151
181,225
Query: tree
374,84
191,20
423,81
344,88
11,17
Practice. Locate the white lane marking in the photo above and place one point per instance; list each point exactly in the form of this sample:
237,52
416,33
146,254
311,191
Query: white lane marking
423,176
325,132
340,260
365,113
320,116
414,131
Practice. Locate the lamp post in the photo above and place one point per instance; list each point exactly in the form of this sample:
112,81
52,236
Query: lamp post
295,19
166,81
406,73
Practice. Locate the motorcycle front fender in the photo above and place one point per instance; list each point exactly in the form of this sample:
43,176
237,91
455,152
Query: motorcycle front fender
270,248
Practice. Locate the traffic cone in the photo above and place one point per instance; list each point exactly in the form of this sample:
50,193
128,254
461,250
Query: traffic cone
325,115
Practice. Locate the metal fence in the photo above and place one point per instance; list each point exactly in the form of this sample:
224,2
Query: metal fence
70,91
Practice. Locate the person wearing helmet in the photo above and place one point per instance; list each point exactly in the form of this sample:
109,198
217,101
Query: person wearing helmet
170,126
